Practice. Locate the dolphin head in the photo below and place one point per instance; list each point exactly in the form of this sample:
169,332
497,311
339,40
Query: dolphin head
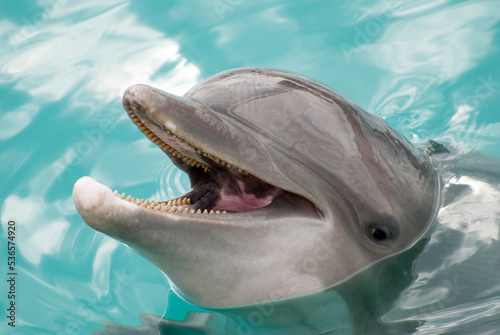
294,189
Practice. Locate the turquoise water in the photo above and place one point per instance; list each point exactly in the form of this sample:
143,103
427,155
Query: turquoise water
429,68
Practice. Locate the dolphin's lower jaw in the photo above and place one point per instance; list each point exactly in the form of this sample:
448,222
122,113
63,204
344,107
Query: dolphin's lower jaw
153,229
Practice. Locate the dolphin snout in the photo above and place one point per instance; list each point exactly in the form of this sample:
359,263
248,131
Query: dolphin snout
135,98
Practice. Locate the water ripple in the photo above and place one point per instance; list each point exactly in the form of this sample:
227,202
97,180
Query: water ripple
173,182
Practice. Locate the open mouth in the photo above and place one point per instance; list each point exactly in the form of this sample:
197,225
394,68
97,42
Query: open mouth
218,186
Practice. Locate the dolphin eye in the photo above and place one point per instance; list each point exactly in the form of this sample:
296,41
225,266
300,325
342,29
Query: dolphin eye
378,233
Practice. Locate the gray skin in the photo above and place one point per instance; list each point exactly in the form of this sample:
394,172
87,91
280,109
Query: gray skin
336,189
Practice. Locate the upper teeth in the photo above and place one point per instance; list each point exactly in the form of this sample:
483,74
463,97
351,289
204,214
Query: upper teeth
170,150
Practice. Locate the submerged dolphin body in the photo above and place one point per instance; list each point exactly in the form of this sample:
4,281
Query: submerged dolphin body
305,188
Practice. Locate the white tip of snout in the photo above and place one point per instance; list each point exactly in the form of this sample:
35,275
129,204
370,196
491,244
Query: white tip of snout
89,194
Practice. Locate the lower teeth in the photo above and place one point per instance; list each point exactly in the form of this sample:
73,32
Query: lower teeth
172,206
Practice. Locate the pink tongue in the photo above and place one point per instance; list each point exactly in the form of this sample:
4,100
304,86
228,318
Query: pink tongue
243,202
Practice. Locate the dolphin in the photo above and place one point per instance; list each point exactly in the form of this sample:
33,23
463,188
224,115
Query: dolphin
294,189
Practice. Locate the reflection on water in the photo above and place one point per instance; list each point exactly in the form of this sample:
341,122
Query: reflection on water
443,44
429,68
457,288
